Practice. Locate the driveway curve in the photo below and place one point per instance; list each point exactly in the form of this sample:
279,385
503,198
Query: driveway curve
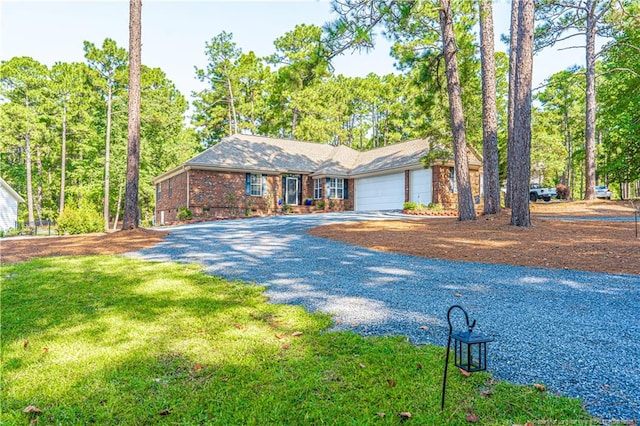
576,332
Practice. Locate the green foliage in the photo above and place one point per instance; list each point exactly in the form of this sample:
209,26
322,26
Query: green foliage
410,205
83,220
286,208
184,347
184,213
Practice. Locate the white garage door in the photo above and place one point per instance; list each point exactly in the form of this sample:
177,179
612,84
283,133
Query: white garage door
420,186
380,192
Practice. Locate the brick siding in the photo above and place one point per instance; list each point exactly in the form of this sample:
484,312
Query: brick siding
218,195
441,191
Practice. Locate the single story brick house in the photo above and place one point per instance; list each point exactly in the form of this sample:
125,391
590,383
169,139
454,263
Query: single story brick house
246,175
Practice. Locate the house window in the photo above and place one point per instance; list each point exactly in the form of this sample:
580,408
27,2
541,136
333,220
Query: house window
255,183
335,188
170,189
317,188
453,186
159,191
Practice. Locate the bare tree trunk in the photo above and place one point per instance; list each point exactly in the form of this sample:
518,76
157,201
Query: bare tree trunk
63,159
513,34
131,218
233,106
489,111
294,121
590,130
27,149
107,156
39,194
120,191
466,210
521,150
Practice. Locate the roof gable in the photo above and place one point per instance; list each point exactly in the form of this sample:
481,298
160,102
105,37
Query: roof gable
11,191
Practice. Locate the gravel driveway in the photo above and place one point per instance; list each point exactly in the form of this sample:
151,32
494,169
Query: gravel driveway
576,332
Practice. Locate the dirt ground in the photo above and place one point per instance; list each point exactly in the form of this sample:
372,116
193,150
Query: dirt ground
597,245
25,248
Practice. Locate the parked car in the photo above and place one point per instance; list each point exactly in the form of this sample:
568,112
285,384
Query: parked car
602,191
536,192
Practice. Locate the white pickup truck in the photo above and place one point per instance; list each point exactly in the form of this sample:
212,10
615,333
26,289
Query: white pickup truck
537,192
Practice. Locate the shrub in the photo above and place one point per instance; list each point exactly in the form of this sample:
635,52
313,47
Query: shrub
562,192
435,207
184,214
286,208
81,220
410,205
320,205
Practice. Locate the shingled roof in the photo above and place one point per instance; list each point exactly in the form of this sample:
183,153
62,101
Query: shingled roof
249,153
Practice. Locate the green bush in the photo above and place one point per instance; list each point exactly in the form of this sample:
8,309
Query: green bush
81,220
184,214
435,207
410,205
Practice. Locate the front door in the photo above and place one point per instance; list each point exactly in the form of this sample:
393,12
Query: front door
291,191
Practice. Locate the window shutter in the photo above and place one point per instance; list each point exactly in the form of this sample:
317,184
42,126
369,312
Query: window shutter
346,189
247,184
264,185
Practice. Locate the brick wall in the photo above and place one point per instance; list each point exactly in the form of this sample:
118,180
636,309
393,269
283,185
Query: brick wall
441,190
216,195
171,196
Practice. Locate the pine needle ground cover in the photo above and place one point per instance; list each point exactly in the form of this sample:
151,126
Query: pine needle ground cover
110,340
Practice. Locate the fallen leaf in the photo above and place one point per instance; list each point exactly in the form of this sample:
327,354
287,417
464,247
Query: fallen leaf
238,326
486,393
280,336
472,418
338,321
45,350
404,416
165,412
296,333
33,422
465,373
381,415
32,409
458,294
419,366
197,367
224,379
25,344
540,387
392,383
362,365
529,424
286,346
424,327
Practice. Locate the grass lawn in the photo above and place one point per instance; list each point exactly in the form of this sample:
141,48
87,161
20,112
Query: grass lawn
110,340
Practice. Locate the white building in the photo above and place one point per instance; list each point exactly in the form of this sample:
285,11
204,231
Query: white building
9,200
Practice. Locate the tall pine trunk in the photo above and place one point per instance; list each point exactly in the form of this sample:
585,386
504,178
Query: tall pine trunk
232,103
131,218
63,160
40,192
590,128
27,149
466,210
521,143
107,159
489,111
513,39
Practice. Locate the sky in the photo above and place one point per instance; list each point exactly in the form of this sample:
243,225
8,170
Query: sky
174,33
